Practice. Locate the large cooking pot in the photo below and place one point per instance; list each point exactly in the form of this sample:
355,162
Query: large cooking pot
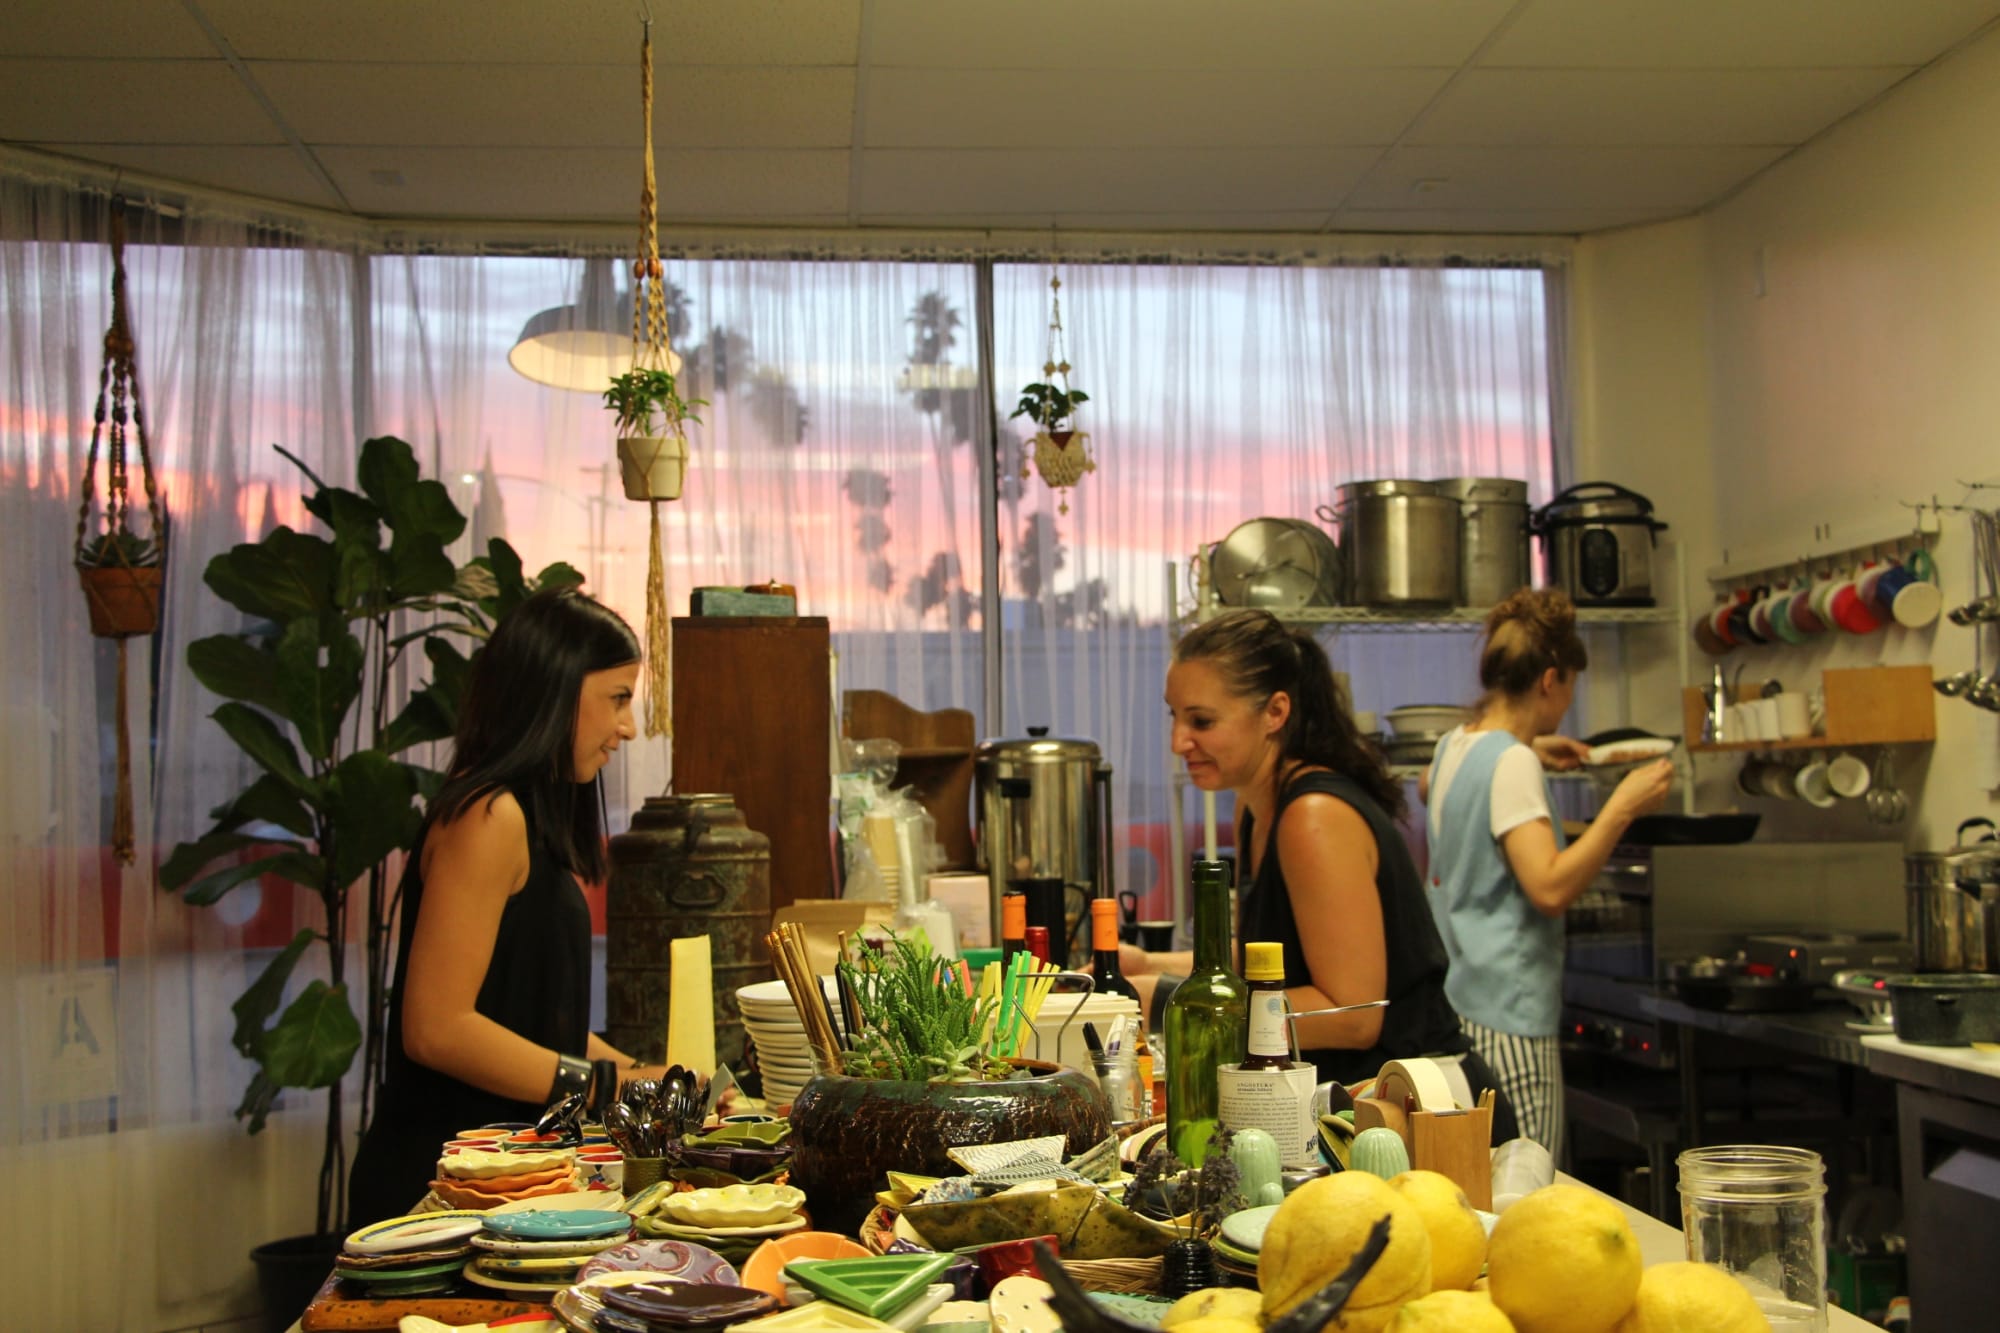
1599,541
1954,902
1492,537
1398,544
1036,799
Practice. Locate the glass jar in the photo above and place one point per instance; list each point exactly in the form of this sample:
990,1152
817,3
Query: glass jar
1760,1212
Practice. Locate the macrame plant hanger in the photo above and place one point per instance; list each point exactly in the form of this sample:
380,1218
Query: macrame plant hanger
120,570
652,349
1061,456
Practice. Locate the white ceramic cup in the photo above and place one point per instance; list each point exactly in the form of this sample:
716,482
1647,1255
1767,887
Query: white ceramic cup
1917,604
1794,715
1848,775
1811,785
1767,722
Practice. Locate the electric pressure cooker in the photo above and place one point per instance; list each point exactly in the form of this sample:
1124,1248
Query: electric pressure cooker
1598,538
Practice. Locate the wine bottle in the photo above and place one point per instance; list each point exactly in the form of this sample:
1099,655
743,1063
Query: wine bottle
1038,943
1104,972
1205,1021
1269,1043
1013,926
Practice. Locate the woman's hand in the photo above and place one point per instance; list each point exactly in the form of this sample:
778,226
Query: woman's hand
1561,753
1643,791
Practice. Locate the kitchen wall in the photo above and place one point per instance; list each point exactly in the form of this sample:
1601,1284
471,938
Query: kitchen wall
1805,356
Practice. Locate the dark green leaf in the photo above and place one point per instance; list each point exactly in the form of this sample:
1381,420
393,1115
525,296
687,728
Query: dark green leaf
299,866
428,716
254,1007
287,575
190,857
266,800
370,798
561,574
505,562
421,517
315,1041
257,736
319,678
257,1100
429,781
235,668
300,464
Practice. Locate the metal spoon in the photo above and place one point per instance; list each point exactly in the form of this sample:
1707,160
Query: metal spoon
1339,1009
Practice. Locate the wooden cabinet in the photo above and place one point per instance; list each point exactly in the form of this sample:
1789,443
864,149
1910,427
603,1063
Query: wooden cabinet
753,716
935,761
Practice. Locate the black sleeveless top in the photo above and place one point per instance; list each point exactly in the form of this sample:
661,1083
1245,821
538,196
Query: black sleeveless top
537,985
1419,1020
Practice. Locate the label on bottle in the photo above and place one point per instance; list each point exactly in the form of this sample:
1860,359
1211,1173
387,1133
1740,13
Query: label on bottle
1277,1101
1267,1024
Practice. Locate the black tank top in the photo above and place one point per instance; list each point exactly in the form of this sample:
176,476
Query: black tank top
1419,1020
537,985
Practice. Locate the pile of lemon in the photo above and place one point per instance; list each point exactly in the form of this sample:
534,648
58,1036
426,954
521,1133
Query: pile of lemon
1561,1260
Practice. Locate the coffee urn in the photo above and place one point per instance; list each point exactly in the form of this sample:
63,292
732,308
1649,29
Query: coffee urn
1038,827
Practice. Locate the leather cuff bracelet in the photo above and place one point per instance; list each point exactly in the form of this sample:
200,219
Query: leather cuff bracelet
603,1087
572,1076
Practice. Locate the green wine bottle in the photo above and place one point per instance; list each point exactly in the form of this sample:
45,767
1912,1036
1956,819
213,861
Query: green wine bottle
1206,1021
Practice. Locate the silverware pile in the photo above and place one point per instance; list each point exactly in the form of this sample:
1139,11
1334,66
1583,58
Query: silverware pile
651,1114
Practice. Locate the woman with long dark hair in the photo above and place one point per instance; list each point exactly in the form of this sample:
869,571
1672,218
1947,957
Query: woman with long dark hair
1324,869
489,1019
1502,870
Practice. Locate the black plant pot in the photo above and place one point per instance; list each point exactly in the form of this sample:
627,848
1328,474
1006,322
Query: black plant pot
290,1273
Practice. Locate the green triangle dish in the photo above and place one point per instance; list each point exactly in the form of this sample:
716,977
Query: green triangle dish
876,1287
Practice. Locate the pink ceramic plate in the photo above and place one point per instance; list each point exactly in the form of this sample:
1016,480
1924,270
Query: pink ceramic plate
678,1259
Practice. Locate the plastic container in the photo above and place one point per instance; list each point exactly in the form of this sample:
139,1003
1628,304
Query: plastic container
1520,1167
1760,1212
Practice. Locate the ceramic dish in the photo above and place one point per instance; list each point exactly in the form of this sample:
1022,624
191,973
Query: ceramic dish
1245,1230
403,1260
579,1306
553,1265
734,1206
1637,750
679,1231
677,1260
768,1261
559,1224
600,1200
647,1201
478,1164
375,1277
478,1276
531,1248
451,1193
418,1232
687,1302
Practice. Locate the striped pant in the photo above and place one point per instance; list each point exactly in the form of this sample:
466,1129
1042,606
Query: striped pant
1529,1071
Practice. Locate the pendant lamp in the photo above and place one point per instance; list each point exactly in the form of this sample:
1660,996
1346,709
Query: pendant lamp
583,344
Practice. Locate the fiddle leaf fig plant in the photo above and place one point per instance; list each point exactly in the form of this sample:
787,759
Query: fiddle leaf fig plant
313,695
645,400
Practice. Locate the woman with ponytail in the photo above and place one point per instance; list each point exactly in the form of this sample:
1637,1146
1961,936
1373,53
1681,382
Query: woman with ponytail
1501,872
1324,868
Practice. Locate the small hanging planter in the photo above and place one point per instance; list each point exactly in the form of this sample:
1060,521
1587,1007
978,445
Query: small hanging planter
1061,453
121,585
653,467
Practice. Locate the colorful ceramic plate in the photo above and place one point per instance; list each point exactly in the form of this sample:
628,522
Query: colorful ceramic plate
600,1200
579,1306
394,1275
534,1267
557,1224
734,1206
1245,1230
477,1164
418,1232
769,1259
666,1227
687,1302
647,1201
473,1273
673,1259
452,1254
531,1248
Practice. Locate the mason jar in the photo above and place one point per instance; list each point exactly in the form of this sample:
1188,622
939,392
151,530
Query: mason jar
1760,1212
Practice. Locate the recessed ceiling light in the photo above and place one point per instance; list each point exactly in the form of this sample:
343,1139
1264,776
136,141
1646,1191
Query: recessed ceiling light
383,176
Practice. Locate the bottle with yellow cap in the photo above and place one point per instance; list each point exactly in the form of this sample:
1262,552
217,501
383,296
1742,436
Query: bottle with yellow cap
1269,1044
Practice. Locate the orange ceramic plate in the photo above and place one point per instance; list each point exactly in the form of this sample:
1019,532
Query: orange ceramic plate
767,1263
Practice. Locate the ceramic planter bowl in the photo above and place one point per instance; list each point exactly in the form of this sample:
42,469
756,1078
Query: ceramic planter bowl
847,1133
652,467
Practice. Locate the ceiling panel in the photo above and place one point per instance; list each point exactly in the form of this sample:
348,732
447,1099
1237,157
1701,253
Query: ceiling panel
926,108
1504,178
99,28
128,101
1735,34
1178,34
1518,106
599,185
1148,180
685,32
266,173
558,106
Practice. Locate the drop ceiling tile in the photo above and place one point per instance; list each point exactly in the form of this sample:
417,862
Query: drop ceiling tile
1178,34
93,29
558,105
1510,178
1048,181
263,172
1498,222
685,32
600,185
128,101
930,108
1540,106
1732,34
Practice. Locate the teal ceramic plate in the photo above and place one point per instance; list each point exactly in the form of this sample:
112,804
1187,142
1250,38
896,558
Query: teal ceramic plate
557,1224
1245,1230
1141,1310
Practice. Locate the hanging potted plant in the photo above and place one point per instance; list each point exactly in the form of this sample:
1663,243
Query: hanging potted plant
121,573
1062,452
652,432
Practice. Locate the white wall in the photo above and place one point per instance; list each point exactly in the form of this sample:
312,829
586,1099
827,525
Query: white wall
1863,370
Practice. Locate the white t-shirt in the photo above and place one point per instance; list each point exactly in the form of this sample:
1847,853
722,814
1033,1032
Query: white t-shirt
1518,793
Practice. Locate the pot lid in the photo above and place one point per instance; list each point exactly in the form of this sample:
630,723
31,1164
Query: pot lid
1597,500
1492,490
1037,747
1354,490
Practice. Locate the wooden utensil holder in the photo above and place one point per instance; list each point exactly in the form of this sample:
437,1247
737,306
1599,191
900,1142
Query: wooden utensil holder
1456,1144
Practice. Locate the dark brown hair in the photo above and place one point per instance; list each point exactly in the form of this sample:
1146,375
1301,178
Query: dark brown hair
1257,656
1530,631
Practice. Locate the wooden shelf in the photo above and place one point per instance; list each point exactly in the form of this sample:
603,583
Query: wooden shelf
1864,706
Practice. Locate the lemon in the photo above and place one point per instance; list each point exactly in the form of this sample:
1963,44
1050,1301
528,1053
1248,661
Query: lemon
1451,1312
1213,1303
1692,1298
1219,1323
1317,1230
1458,1240
1563,1260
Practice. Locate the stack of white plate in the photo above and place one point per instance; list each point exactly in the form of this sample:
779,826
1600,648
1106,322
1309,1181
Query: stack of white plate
784,1053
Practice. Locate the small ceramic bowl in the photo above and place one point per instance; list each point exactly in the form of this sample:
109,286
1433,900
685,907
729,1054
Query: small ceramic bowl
734,1205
